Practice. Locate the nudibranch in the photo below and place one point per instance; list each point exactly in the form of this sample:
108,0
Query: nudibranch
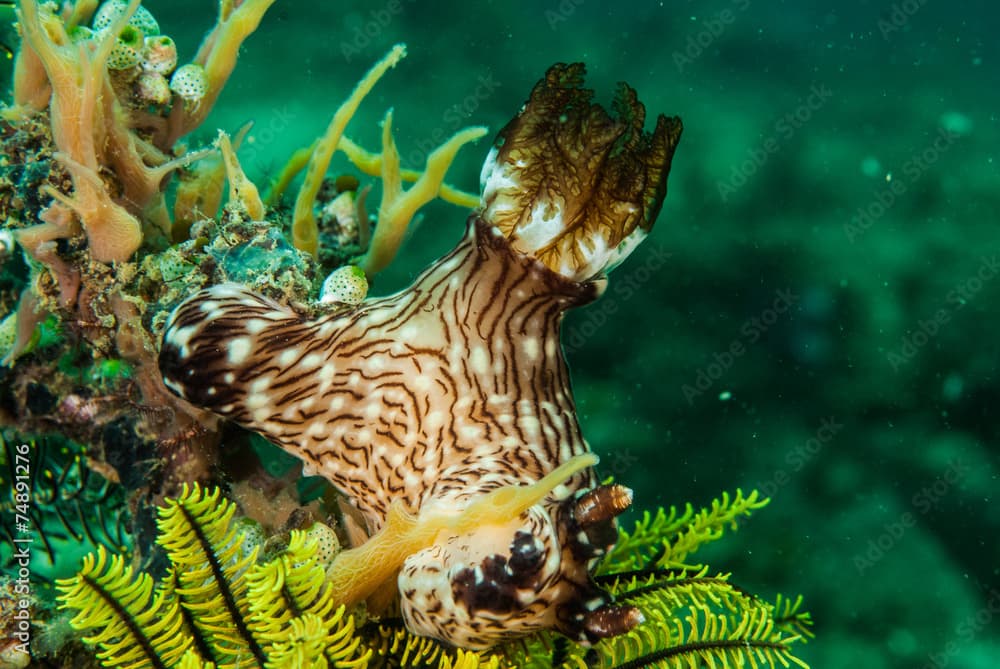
444,412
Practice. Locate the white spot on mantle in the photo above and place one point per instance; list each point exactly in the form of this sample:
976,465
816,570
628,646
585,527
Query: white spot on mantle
239,350
260,385
479,360
255,325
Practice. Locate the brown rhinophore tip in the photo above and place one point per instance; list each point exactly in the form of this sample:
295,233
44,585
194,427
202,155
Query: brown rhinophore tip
602,504
611,620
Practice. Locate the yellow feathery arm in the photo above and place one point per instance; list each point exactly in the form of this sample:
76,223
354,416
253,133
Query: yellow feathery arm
673,536
198,533
289,596
132,626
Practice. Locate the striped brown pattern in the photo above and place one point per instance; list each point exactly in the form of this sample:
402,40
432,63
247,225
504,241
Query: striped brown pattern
450,388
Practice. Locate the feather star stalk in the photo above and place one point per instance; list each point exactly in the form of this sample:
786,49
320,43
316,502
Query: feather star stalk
444,412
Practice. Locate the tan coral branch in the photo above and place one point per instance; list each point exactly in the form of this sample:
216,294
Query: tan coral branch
371,164
295,164
305,234
32,90
218,55
398,206
242,191
79,121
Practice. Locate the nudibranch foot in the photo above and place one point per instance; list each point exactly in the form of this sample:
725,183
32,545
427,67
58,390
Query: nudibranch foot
510,577
358,572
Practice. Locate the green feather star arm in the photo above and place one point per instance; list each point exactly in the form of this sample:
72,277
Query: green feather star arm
692,618
702,636
671,537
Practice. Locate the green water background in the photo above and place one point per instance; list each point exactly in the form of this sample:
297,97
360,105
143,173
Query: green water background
815,312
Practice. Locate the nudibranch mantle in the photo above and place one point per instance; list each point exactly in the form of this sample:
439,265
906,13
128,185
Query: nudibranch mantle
432,404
